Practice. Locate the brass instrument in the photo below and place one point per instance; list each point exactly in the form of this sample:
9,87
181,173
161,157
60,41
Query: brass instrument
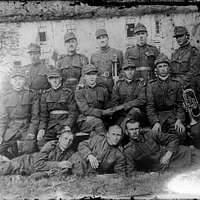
191,104
114,69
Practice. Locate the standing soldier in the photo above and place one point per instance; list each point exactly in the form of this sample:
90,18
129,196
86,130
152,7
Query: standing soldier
58,108
185,61
104,59
91,99
142,54
129,92
19,118
36,71
165,101
72,63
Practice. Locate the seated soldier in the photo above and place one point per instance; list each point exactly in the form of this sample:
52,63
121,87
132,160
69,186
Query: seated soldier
156,151
91,99
129,92
165,101
58,108
19,118
100,154
53,155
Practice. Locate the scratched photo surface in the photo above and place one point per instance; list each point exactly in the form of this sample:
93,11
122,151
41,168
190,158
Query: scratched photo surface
100,167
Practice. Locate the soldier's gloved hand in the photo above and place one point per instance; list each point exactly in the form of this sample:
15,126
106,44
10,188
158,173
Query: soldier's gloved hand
30,136
157,127
93,161
64,164
179,126
40,134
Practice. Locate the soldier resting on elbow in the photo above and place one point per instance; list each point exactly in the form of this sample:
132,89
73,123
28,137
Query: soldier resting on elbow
19,118
53,156
156,151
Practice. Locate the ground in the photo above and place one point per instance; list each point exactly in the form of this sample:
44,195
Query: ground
71,187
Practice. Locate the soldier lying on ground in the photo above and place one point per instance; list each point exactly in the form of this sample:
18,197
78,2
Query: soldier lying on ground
165,101
91,99
156,151
54,155
100,154
58,108
19,118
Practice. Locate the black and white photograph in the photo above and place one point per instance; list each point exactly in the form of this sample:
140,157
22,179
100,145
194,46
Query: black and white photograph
99,99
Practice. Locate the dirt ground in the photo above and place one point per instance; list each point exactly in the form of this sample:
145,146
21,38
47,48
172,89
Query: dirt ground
71,187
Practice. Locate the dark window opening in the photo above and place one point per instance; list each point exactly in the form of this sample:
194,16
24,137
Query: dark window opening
42,36
157,27
130,30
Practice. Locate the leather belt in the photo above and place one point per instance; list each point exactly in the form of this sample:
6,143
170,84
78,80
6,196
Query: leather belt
59,112
143,68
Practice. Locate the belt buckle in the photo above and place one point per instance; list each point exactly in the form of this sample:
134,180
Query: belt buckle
106,74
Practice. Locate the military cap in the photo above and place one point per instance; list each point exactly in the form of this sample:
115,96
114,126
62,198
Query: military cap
100,32
162,59
180,30
90,68
53,72
33,48
17,72
140,28
69,36
128,63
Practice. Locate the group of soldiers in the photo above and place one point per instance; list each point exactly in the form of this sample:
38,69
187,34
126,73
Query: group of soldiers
115,114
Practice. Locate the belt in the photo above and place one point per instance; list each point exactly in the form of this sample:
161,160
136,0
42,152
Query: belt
105,74
143,68
18,120
59,112
165,109
71,79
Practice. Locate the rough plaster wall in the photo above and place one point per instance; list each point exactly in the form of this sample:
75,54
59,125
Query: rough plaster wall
15,37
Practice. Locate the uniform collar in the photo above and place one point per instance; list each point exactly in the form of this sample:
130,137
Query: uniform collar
105,49
163,79
185,45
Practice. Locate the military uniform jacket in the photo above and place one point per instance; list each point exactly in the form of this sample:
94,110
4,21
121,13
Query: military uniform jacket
148,149
59,99
128,92
36,76
142,56
111,158
91,101
72,65
45,160
102,59
164,96
19,114
185,62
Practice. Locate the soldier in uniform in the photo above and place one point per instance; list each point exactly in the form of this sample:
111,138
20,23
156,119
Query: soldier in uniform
185,59
72,63
19,117
156,151
100,154
58,108
165,101
142,54
54,155
36,71
104,58
129,92
91,99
